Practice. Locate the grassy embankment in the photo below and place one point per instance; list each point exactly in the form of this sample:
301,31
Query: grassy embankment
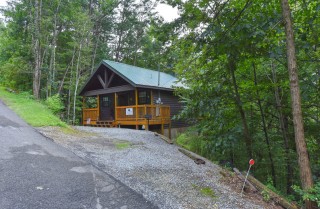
33,112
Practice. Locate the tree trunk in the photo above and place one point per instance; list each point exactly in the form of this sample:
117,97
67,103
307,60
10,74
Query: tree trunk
76,84
94,52
69,100
120,33
246,134
284,131
54,44
66,72
119,44
264,126
303,159
36,50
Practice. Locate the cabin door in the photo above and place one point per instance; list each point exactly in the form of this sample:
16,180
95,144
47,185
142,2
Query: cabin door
106,107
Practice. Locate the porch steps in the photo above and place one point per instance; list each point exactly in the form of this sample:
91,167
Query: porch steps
102,123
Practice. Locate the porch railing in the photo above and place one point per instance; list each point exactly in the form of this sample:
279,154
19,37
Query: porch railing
130,113
90,116
139,112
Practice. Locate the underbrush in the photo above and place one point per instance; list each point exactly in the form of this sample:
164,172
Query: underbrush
201,145
190,140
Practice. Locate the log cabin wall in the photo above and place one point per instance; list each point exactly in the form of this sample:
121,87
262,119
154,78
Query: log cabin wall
168,98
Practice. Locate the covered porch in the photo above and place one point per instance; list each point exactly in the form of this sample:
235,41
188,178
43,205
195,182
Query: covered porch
126,108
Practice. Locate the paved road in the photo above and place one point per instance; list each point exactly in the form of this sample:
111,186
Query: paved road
37,173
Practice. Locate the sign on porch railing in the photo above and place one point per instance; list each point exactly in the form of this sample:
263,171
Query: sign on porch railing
129,111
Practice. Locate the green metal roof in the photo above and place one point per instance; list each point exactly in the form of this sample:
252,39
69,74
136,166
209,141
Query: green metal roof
138,76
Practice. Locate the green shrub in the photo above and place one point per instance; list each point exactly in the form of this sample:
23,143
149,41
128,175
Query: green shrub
54,103
313,194
192,141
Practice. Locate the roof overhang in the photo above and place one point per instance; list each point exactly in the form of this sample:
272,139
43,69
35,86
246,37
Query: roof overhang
108,90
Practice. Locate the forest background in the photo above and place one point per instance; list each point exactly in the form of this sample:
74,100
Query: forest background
231,54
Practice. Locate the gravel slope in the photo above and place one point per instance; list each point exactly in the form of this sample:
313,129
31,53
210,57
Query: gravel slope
150,166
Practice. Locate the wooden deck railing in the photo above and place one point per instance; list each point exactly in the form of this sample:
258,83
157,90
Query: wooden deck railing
158,114
90,116
139,112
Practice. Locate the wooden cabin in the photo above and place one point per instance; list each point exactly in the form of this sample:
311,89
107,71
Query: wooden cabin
121,95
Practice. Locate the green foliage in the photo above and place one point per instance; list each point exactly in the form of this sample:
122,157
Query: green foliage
120,145
33,112
195,143
91,102
219,47
73,36
184,141
13,74
207,191
55,104
265,196
313,194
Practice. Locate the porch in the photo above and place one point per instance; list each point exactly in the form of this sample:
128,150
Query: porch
135,115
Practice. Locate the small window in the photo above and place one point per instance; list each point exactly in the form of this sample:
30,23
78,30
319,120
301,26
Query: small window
144,97
106,101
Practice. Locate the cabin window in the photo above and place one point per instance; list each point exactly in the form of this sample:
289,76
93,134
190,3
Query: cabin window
144,97
126,98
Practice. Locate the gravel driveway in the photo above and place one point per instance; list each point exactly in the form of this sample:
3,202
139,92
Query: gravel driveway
153,168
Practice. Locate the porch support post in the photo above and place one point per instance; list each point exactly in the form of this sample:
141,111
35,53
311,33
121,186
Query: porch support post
151,97
146,120
98,107
115,107
136,95
162,127
170,129
83,106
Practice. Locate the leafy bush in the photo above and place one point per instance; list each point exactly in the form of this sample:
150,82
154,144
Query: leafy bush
313,194
192,141
26,95
54,103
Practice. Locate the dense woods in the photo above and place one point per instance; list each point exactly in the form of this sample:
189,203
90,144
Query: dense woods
245,64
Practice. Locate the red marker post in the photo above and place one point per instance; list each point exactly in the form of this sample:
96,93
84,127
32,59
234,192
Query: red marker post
251,163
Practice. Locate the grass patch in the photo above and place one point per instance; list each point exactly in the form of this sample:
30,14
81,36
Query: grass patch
201,145
207,191
33,112
190,140
122,145
75,132
184,141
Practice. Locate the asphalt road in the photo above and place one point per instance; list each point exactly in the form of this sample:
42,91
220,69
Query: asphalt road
37,173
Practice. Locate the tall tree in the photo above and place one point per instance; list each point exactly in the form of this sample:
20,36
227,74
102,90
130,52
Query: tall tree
303,157
36,46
